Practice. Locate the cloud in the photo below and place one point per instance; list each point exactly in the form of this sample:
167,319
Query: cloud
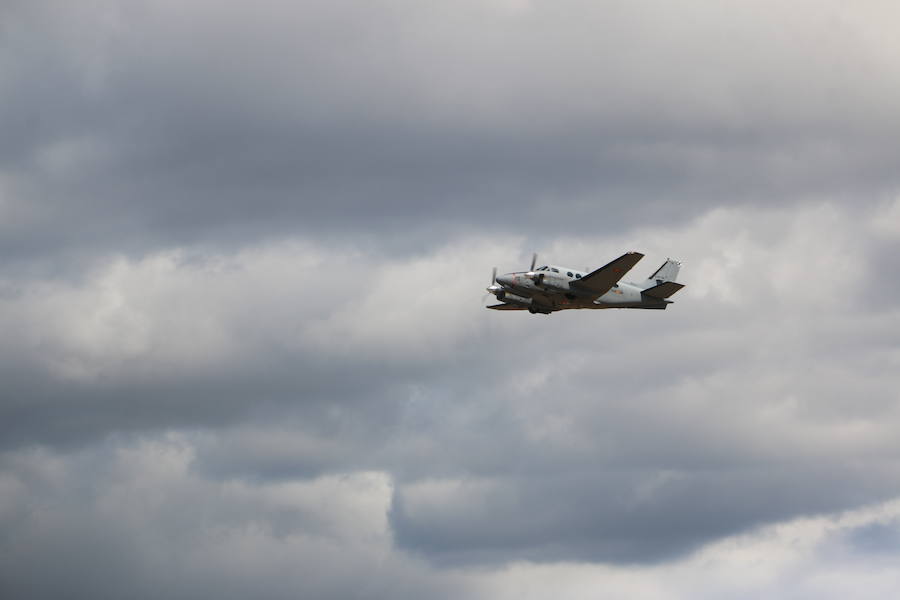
122,532
763,394
243,256
153,524
368,120
802,558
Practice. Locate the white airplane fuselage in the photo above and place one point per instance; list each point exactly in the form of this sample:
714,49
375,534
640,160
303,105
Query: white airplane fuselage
551,288
557,285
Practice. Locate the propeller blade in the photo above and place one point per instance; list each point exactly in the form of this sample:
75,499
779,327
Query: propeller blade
493,288
533,262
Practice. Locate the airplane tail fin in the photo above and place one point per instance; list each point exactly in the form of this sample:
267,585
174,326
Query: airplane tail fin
667,272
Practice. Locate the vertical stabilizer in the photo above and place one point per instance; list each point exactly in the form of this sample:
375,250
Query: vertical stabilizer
667,272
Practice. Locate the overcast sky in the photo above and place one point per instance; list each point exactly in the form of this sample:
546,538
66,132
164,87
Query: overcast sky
244,248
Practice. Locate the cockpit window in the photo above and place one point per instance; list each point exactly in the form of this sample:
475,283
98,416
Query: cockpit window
555,270
544,268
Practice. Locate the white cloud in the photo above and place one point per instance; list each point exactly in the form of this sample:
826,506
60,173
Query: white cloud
885,221
147,512
794,559
328,536
288,238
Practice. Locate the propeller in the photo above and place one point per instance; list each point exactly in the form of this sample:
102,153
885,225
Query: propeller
530,273
493,288
537,279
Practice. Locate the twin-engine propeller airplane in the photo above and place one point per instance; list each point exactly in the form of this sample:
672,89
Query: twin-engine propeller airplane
551,288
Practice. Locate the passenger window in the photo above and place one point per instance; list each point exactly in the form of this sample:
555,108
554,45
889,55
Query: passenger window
569,273
577,275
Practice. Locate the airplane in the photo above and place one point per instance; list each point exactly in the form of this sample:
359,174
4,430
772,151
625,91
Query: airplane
551,288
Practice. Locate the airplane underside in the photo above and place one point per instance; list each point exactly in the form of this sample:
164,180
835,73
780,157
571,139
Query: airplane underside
547,309
545,304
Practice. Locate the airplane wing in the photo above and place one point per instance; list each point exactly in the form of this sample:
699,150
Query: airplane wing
505,306
601,281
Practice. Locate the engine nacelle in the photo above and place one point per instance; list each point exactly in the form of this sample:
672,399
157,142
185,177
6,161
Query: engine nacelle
514,298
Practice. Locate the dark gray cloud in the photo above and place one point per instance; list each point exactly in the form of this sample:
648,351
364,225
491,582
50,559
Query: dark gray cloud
619,515
148,125
634,438
115,532
875,538
243,255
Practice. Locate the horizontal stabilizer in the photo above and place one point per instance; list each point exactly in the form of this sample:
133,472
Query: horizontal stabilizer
601,281
505,306
663,290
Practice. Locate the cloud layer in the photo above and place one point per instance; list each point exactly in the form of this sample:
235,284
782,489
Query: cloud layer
244,253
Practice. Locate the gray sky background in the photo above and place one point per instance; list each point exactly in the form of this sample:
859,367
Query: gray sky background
244,249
